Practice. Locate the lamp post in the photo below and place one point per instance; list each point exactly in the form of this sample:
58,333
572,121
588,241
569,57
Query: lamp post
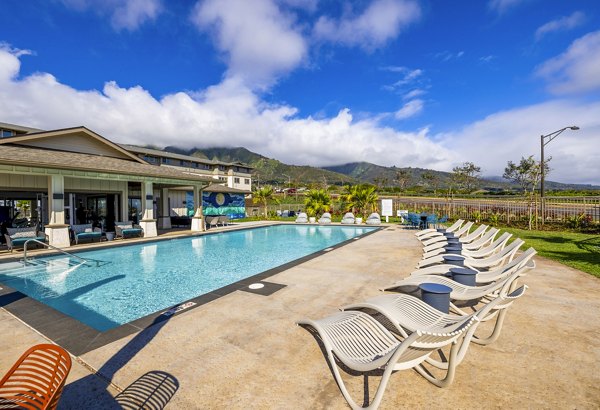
289,183
545,140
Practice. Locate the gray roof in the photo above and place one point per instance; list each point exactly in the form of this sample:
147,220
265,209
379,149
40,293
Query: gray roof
20,128
45,158
223,188
157,152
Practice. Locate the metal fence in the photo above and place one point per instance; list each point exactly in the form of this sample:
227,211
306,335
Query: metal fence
556,209
506,209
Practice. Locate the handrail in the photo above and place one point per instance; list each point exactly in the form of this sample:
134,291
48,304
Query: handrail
50,246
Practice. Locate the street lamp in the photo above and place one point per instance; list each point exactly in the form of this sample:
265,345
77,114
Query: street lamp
289,179
545,140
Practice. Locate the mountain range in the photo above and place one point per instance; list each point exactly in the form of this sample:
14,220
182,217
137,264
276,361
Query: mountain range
272,171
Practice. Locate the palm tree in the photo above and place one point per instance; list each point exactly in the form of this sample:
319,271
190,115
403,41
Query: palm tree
317,201
263,195
359,198
364,198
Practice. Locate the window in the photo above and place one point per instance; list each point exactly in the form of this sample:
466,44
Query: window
6,133
164,160
236,180
247,181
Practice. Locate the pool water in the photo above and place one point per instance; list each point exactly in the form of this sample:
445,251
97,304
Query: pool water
129,282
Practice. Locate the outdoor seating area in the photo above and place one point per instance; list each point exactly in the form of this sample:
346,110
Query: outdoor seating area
213,221
449,349
438,308
85,232
126,230
17,237
422,220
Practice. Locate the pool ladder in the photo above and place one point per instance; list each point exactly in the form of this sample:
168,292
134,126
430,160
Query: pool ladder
47,245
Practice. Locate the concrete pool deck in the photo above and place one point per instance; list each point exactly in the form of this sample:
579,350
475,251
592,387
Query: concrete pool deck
243,350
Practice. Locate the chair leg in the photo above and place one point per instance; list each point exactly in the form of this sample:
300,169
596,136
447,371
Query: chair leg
450,372
495,333
340,382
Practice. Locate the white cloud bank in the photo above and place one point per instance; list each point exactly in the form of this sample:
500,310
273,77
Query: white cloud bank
227,114
230,114
512,134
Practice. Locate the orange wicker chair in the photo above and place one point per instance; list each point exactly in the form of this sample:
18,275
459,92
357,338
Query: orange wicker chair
37,379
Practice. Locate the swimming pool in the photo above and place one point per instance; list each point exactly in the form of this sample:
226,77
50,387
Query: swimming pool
137,280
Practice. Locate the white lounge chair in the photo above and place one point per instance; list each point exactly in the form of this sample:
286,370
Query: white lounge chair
348,218
409,314
476,253
484,263
325,219
363,345
463,230
374,219
434,232
459,291
302,218
484,277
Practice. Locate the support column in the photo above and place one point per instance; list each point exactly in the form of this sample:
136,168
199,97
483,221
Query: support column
57,230
125,203
198,224
165,219
148,223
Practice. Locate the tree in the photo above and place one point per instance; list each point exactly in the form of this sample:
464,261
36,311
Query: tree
360,198
466,175
431,179
527,174
317,202
263,195
402,177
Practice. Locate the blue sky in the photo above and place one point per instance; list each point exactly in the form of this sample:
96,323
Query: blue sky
318,82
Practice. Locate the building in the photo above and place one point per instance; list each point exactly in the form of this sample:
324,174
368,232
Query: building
234,175
74,175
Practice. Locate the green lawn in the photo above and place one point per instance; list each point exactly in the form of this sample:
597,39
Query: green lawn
578,250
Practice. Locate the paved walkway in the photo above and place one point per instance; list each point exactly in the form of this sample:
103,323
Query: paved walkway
243,350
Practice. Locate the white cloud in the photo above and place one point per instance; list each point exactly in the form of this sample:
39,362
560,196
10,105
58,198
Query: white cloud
563,23
417,92
512,134
227,114
231,114
410,109
487,59
124,14
381,21
448,55
258,40
502,6
577,70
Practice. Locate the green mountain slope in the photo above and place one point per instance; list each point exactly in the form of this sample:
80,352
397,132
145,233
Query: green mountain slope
272,171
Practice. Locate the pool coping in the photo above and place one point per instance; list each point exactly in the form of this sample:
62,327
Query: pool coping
79,338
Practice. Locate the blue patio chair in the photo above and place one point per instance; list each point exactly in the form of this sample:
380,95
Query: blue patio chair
431,220
415,220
